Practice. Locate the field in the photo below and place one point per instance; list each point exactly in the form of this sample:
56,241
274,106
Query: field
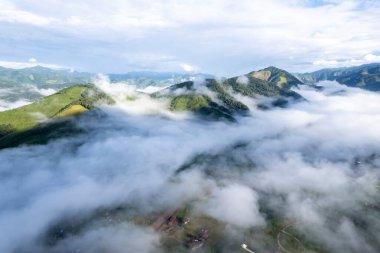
71,111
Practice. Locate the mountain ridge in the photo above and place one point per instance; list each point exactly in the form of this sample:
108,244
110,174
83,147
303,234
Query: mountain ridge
185,96
226,90
365,76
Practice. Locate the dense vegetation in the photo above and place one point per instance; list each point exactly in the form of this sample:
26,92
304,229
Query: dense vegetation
201,105
40,134
67,102
186,96
365,76
281,78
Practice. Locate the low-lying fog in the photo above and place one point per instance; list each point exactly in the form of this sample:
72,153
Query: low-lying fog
315,163
13,97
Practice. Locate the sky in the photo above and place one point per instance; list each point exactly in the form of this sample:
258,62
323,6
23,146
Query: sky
221,37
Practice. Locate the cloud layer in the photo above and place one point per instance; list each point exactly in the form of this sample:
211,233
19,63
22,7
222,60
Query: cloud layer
21,95
315,163
221,37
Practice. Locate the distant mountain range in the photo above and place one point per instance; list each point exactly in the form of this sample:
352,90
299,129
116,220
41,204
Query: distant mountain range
52,78
29,84
364,76
146,78
42,77
23,124
211,99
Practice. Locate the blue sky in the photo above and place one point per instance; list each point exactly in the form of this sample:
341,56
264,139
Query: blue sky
222,37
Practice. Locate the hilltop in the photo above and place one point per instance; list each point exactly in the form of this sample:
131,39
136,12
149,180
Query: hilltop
38,115
281,78
271,82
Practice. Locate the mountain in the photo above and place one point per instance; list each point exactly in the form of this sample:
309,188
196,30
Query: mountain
270,82
364,76
234,162
52,78
24,86
15,124
33,122
42,77
281,78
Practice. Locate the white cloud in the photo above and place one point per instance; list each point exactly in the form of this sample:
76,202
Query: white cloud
6,105
23,17
9,13
188,68
32,60
235,204
243,80
29,64
151,89
133,102
369,58
295,162
372,58
216,36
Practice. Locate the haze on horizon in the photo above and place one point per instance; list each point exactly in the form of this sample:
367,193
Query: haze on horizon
220,37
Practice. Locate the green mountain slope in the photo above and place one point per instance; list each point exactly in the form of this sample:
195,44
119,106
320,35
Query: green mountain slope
226,103
67,102
201,105
281,78
32,123
365,76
